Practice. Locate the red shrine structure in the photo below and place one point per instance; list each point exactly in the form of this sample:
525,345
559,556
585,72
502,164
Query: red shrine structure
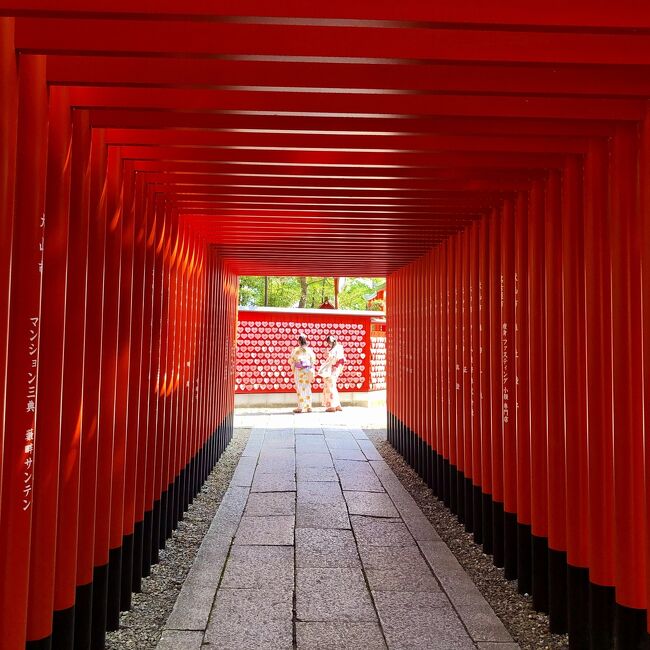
492,159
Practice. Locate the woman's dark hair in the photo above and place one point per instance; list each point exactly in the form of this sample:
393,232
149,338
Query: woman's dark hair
302,340
330,338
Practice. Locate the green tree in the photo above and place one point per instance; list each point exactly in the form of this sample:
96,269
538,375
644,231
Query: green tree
291,291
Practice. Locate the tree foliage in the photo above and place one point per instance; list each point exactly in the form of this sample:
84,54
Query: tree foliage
310,292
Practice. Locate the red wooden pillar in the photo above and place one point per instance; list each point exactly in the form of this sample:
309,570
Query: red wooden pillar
430,393
182,373
458,376
171,415
598,304
91,387
644,177
151,528
484,384
508,398
555,405
22,356
466,367
195,357
628,387
452,381
159,508
577,469
537,397
421,405
440,406
50,371
435,373
122,437
444,369
72,386
496,392
136,449
104,555
8,134
475,342
522,389
184,327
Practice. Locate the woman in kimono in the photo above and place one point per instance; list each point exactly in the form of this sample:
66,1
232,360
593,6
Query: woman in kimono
302,361
330,371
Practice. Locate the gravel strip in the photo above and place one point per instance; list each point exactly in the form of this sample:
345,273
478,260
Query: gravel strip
528,627
142,625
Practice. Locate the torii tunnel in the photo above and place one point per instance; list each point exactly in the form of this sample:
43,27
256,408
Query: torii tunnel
492,159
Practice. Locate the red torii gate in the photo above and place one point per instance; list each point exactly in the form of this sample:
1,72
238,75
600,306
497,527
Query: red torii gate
491,156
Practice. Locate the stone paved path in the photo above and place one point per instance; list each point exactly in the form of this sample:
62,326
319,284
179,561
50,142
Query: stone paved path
317,545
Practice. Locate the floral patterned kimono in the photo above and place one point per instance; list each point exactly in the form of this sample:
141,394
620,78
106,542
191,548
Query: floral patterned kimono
330,371
302,361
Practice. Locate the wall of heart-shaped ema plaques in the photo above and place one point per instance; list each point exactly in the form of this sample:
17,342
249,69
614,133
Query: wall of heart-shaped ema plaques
266,337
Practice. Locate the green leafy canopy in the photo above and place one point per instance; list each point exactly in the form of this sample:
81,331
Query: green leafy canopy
310,292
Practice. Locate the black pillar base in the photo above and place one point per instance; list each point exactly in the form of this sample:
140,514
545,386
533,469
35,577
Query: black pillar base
100,607
524,559
477,504
40,644
83,616
446,483
558,614
453,489
630,628
602,606
460,495
487,524
497,534
155,532
147,543
510,545
540,573
162,530
578,596
138,553
114,578
126,578
469,505
63,629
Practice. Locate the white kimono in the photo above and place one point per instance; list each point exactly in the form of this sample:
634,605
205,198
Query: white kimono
330,371
302,361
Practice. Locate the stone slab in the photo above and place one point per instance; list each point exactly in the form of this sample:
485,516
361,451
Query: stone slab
381,532
319,492
339,636
316,474
251,618
326,548
348,454
243,475
274,483
322,515
180,640
192,607
372,504
369,450
258,531
259,567
477,615
332,595
262,504
314,459
420,621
